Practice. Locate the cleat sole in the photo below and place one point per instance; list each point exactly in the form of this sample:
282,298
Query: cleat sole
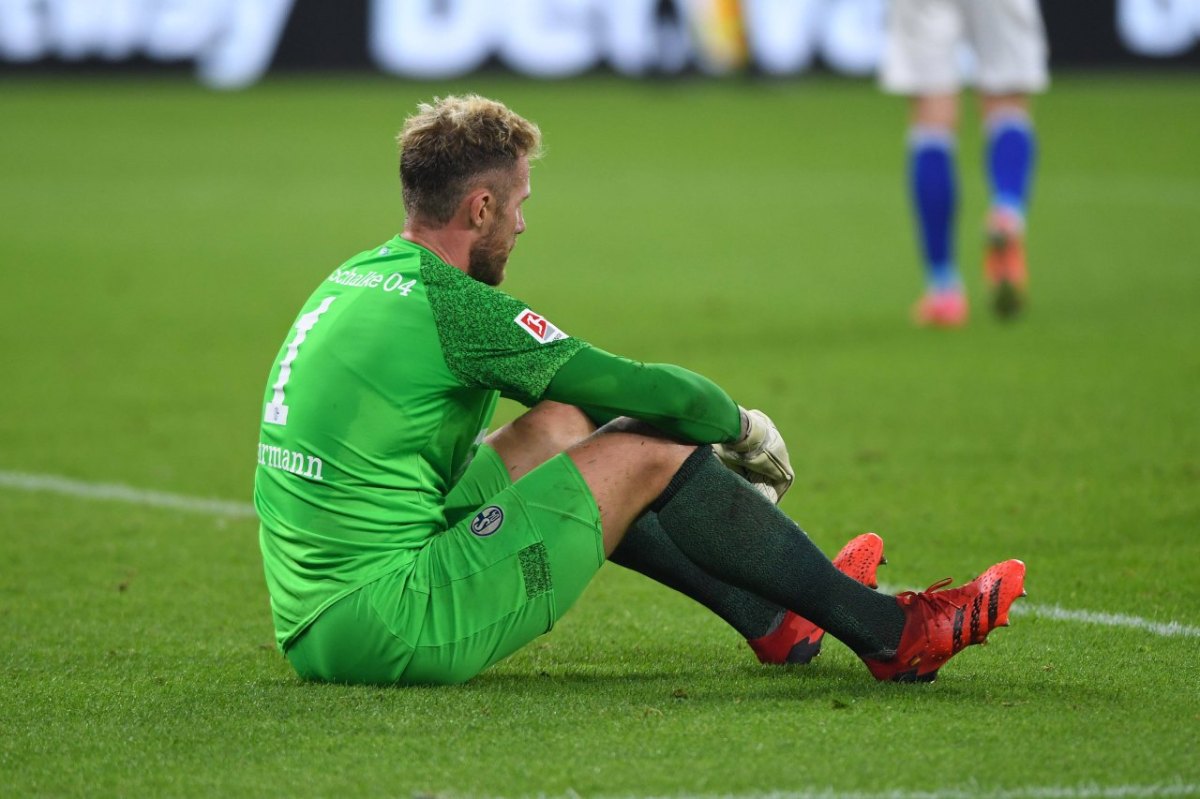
804,652
915,676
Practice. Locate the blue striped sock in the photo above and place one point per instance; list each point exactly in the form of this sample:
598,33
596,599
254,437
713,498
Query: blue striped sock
1011,153
933,183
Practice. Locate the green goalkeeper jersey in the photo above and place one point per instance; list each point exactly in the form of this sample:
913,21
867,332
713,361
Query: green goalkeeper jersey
376,402
382,392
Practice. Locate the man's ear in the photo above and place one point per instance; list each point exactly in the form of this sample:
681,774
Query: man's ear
481,204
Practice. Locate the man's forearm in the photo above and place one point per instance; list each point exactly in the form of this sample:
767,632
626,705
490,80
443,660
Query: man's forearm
673,399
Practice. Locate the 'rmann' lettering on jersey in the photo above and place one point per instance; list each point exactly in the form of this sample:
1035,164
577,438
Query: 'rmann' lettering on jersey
539,327
287,460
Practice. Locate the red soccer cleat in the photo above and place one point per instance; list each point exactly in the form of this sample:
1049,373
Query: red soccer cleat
1004,264
798,640
941,623
944,308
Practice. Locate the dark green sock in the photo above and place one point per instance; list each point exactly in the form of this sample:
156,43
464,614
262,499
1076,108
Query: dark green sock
736,535
648,550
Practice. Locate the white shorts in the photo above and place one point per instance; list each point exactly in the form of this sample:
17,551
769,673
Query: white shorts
925,38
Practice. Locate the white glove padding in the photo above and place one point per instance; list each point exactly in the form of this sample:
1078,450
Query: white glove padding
760,456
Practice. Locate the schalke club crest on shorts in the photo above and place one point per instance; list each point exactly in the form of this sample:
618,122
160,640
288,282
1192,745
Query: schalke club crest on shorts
487,521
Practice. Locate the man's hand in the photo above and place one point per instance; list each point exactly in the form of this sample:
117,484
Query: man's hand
759,455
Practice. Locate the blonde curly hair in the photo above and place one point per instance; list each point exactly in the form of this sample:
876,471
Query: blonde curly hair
451,145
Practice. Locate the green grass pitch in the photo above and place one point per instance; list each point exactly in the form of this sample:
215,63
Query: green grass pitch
156,241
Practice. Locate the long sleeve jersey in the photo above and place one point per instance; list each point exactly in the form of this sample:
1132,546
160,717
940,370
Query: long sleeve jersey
382,392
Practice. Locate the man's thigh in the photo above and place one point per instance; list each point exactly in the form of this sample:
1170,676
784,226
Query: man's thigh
504,575
486,476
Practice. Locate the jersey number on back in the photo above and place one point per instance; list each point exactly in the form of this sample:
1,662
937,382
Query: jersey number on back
277,411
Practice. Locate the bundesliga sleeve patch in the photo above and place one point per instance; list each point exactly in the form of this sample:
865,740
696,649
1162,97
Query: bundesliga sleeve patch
539,327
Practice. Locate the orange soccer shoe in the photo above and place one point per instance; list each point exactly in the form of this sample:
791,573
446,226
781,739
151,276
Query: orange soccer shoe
1004,265
940,622
798,640
941,308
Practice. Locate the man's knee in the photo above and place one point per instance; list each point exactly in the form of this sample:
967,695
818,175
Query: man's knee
640,446
537,435
564,421
553,425
627,466
938,111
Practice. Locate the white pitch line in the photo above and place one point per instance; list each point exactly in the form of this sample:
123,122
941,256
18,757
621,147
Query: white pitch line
1167,629
1084,791
116,492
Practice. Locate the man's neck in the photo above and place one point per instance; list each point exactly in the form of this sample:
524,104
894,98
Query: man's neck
451,246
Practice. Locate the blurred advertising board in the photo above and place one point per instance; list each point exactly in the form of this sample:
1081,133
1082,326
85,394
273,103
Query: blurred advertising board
234,43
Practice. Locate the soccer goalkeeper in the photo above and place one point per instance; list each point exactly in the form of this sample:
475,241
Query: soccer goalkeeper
403,546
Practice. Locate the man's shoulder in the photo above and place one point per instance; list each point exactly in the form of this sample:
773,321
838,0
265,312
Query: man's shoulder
454,293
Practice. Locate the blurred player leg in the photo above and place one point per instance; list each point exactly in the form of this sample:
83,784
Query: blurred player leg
933,186
920,61
1011,151
1010,41
1011,154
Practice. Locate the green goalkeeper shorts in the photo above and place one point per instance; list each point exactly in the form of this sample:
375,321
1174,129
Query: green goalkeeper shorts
515,557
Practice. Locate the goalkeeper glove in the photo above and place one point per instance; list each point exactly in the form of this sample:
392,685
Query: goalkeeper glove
759,455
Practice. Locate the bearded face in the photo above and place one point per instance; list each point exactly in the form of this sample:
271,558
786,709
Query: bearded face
489,255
